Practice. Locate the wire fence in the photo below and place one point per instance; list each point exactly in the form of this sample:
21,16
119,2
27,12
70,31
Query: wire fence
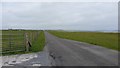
18,40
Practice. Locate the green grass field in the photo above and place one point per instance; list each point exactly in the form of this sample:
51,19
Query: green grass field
18,43
108,40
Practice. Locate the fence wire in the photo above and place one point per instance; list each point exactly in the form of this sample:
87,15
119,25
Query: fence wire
15,40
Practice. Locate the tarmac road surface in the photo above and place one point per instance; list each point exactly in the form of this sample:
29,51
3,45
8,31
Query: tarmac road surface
72,53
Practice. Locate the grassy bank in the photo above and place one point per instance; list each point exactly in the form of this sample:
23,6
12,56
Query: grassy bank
108,40
38,45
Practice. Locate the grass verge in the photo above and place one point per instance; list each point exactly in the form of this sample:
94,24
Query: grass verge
38,45
108,40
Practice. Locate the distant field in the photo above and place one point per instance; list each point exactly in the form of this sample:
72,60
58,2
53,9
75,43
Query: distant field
108,40
14,41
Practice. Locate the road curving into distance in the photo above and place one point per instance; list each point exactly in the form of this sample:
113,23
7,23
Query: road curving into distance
72,53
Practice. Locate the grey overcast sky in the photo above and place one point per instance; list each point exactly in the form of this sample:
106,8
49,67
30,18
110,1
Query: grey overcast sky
60,15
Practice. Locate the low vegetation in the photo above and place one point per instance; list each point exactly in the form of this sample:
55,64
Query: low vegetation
108,40
38,45
14,41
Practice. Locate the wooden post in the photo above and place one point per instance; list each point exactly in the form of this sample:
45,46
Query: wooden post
10,39
31,38
27,46
34,36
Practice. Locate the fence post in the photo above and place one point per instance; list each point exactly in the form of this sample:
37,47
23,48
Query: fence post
10,39
31,38
27,46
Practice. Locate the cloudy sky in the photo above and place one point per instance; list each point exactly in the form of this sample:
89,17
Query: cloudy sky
60,15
